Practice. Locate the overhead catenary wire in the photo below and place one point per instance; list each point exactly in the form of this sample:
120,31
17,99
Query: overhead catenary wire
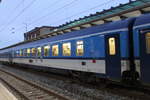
14,10
68,4
22,11
105,3
18,5
18,15
76,13
44,9
100,5
48,7
37,20
55,11
97,6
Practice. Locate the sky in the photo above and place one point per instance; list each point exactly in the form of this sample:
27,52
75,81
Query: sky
16,15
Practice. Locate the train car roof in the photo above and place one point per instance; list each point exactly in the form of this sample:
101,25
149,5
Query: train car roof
143,19
123,24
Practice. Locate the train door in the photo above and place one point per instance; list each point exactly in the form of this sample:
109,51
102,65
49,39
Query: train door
113,63
145,55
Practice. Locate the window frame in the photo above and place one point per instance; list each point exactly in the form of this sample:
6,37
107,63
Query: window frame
112,47
57,50
37,51
33,54
77,47
48,50
17,53
28,54
63,53
24,52
21,52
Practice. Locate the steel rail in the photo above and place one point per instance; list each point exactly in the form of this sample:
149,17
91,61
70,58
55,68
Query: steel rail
50,92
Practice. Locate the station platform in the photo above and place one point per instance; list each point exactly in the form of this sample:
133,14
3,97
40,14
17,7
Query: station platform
5,94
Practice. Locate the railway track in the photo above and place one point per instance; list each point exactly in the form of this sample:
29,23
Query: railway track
78,90
29,90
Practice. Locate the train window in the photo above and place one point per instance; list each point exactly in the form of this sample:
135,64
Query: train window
33,51
24,52
55,50
21,52
80,48
66,49
46,50
39,51
28,52
147,37
17,53
112,46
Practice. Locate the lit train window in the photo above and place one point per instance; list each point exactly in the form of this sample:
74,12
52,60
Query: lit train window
28,52
33,51
66,49
39,51
46,50
80,48
21,52
55,50
147,37
112,46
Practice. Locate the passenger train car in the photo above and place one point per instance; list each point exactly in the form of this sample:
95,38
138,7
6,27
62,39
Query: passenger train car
117,51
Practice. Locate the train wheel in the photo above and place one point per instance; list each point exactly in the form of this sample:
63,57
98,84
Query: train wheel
130,78
81,76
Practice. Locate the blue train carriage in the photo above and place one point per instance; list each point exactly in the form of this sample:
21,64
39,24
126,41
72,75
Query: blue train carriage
142,47
4,55
101,50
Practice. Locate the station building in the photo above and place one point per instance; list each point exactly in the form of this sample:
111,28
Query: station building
37,32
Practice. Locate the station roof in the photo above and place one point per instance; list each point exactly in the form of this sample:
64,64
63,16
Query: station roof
122,11
112,11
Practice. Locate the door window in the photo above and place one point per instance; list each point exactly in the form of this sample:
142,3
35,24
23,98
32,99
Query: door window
147,37
112,46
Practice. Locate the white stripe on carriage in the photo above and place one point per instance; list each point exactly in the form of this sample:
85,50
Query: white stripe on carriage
139,26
